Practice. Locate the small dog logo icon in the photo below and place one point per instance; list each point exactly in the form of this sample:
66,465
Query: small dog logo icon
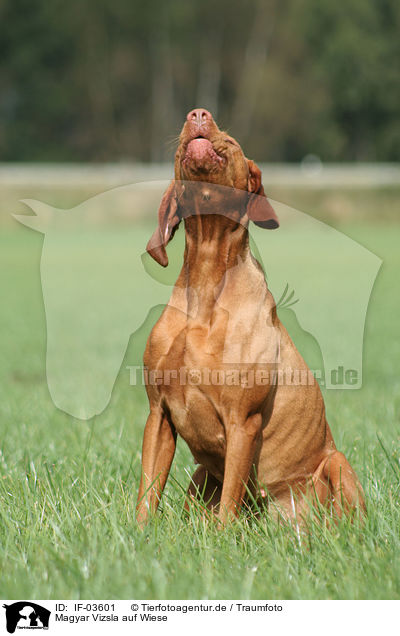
26,615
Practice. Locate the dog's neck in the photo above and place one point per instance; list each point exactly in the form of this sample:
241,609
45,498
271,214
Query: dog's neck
214,245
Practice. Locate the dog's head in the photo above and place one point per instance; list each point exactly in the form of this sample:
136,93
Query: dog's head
212,175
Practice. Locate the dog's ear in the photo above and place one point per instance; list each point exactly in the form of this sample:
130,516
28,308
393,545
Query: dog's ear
259,209
168,221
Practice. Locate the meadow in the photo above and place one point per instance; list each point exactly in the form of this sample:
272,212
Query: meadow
68,487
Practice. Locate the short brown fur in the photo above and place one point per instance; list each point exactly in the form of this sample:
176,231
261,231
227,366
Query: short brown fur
270,440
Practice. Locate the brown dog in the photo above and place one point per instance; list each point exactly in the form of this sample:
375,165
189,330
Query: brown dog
264,437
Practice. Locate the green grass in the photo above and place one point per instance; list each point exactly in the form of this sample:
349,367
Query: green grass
68,488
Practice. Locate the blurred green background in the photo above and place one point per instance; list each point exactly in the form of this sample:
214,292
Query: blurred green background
92,96
101,81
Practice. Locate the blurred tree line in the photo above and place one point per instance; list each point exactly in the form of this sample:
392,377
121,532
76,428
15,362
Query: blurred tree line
111,80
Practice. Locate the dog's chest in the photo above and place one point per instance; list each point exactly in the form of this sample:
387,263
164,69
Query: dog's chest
200,358
197,422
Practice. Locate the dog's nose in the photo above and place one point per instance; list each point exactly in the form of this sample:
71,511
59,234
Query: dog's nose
199,116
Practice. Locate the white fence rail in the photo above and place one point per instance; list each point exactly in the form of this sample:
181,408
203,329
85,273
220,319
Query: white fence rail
309,174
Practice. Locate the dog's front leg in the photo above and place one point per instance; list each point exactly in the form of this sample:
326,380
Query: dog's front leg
159,443
242,438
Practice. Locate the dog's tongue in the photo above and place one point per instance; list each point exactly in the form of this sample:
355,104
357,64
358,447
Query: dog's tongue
199,150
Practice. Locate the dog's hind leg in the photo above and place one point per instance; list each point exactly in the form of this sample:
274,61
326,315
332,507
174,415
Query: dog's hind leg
205,488
335,484
346,491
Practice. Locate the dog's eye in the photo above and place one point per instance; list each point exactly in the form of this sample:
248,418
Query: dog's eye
231,141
